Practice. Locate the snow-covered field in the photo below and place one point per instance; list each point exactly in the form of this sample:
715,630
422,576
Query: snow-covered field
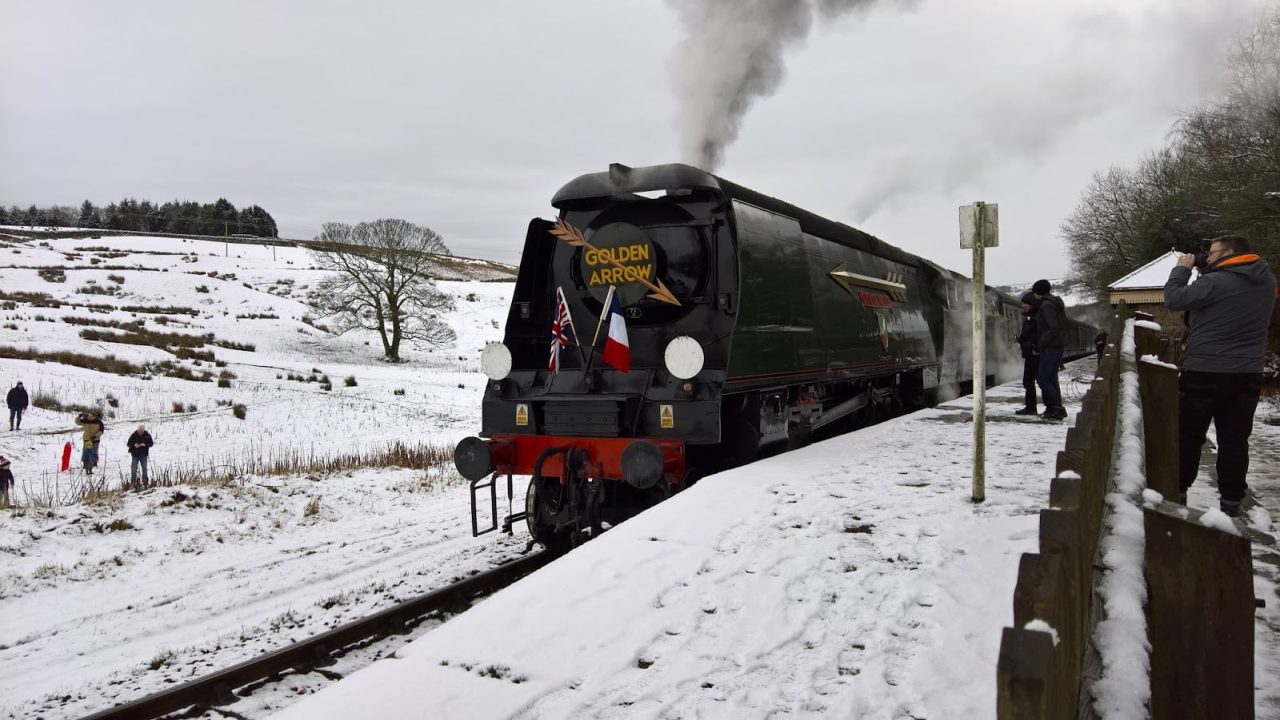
280,382
106,600
852,578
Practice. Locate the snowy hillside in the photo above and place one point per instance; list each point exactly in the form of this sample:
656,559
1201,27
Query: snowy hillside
121,593
1073,292
306,393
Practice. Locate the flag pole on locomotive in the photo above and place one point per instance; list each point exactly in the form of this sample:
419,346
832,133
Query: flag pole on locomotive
617,348
559,340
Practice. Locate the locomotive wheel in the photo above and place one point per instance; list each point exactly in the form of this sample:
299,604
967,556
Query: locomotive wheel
541,501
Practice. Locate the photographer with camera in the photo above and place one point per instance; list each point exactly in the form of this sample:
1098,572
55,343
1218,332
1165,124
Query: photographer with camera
1230,308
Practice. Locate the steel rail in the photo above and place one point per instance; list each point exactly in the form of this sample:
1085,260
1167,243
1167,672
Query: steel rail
217,688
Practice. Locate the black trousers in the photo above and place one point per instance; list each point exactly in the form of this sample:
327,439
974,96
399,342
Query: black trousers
1228,400
1030,369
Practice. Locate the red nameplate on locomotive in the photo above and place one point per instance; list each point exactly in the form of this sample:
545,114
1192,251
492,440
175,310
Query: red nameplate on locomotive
875,300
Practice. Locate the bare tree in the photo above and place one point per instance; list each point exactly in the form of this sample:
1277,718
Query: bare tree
381,282
1219,174
1235,142
1127,217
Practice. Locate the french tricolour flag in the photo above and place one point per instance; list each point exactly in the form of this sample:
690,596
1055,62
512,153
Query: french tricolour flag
617,351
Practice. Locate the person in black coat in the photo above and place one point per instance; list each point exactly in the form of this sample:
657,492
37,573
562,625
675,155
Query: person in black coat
17,400
1051,314
1026,340
140,450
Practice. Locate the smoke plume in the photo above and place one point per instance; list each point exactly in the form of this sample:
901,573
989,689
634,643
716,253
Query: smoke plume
731,56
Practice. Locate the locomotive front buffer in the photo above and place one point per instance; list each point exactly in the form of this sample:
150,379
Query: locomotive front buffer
570,476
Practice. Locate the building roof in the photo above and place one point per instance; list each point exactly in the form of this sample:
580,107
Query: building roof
1153,275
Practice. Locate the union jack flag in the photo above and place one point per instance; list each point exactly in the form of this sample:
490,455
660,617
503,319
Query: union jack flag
561,324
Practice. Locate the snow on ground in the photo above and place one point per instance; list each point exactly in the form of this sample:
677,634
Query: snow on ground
852,578
108,600
106,603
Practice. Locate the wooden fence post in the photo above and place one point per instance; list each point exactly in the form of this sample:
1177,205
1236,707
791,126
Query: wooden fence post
1199,618
1022,674
1061,537
1147,341
1158,387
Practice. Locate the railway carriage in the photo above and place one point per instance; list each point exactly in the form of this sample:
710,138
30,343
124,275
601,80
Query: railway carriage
753,326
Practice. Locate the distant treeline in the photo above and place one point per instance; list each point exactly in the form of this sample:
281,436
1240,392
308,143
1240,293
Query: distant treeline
178,216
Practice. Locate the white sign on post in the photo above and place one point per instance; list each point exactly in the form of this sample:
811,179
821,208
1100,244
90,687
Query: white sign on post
979,229
989,214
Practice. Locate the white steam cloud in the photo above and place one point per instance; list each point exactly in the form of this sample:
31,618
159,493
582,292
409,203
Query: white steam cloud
731,56
1172,55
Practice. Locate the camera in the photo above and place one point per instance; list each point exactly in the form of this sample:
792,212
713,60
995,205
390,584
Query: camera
1201,259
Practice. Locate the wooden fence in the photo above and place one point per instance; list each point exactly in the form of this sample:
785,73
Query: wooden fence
1200,593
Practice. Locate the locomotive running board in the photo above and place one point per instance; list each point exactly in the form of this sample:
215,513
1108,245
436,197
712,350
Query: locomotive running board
844,409
492,486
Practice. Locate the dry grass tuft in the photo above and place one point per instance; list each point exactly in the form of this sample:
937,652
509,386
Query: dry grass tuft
110,363
46,400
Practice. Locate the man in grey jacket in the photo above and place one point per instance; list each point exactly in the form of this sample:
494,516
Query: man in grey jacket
1221,377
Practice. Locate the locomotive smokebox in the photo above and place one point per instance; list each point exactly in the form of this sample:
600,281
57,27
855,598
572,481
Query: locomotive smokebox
642,464
473,458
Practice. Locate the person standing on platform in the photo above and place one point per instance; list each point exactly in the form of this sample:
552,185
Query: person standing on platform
1100,343
1050,316
1026,339
1230,308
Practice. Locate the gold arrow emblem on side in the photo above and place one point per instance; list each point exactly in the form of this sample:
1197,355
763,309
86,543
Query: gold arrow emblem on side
892,284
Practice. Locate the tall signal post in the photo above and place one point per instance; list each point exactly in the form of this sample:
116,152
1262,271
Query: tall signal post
979,230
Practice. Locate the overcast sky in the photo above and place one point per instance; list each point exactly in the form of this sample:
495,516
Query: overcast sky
466,117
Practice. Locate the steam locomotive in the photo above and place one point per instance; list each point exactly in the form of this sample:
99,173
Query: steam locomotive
754,326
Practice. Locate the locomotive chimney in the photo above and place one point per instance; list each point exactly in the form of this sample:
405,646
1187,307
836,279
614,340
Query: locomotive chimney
619,175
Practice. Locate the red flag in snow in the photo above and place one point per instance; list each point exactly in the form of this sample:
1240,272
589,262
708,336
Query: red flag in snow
617,350
66,458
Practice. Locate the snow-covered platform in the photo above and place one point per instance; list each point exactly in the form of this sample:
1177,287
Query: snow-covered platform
852,578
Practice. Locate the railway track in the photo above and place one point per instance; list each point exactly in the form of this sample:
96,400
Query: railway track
218,688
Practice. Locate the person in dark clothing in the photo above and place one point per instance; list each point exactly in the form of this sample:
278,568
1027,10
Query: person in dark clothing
1100,343
6,482
1049,317
1221,378
17,401
139,449
1026,339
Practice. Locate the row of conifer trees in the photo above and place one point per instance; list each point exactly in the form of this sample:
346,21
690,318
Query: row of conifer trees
177,216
